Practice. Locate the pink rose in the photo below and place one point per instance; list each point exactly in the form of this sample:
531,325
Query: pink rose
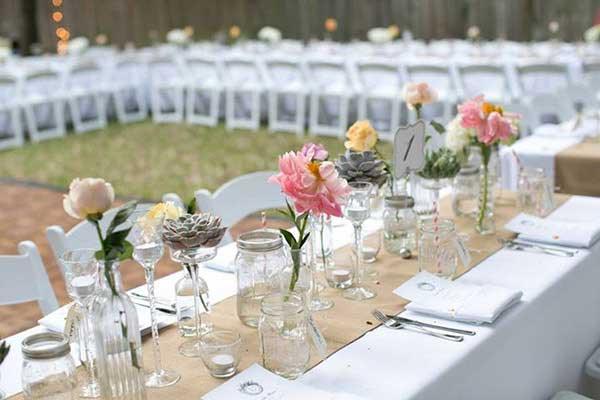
312,186
471,113
314,151
497,128
418,94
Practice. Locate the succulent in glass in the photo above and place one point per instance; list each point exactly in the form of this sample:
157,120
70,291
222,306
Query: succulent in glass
193,230
440,164
362,166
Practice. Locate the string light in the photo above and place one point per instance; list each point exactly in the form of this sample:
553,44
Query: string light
57,16
62,33
57,3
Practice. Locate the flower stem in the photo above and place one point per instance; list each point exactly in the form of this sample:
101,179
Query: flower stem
485,158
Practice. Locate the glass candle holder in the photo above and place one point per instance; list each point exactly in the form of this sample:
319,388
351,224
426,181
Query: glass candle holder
220,352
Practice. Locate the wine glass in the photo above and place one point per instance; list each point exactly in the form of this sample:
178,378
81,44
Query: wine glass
357,210
147,250
80,269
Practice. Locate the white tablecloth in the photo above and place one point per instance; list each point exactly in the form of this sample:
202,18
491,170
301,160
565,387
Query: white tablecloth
534,350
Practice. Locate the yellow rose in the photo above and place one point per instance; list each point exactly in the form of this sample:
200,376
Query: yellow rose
394,31
361,136
235,32
166,210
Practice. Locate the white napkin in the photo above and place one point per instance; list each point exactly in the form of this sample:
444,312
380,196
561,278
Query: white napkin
55,321
582,127
221,266
455,300
555,231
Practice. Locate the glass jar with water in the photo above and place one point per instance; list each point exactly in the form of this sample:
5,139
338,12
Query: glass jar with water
260,259
399,225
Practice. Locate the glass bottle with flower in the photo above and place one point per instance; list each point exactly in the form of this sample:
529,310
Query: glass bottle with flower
315,189
116,328
489,125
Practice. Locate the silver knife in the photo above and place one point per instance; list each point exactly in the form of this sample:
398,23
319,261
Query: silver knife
165,310
432,326
523,246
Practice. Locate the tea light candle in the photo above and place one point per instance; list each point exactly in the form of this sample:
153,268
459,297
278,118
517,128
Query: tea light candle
83,285
340,275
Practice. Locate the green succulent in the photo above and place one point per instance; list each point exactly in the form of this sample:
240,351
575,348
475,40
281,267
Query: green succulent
440,164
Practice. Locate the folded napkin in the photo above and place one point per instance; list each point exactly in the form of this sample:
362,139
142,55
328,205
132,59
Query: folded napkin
455,300
223,267
577,127
555,231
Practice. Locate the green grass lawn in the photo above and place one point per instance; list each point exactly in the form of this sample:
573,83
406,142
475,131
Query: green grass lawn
146,160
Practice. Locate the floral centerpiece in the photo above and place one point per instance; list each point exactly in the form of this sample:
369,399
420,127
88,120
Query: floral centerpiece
269,34
114,317
313,186
484,125
179,37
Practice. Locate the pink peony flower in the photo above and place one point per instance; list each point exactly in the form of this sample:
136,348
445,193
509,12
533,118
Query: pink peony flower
312,186
419,94
471,113
496,128
314,151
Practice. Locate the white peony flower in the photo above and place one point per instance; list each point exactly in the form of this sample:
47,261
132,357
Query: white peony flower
178,37
269,34
88,196
458,137
379,35
78,45
592,34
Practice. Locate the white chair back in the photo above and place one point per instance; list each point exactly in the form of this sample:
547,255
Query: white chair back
10,88
241,197
204,71
591,74
325,75
129,69
537,79
164,69
241,71
45,83
489,80
24,278
284,73
85,75
549,109
377,76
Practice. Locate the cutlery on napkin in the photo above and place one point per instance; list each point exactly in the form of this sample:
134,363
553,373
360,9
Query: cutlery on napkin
455,300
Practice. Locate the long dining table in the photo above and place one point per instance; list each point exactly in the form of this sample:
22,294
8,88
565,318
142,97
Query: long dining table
533,350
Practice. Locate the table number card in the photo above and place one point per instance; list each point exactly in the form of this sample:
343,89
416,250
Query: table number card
409,148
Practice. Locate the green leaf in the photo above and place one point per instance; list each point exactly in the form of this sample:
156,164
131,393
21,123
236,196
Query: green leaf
121,216
128,251
4,349
438,127
304,239
99,255
191,207
291,210
289,238
116,238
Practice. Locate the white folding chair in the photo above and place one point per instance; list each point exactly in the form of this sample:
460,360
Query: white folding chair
487,79
43,102
166,89
549,109
591,74
287,91
523,110
204,87
127,87
380,96
243,89
332,88
581,96
11,128
255,190
85,84
438,77
24,279
536,79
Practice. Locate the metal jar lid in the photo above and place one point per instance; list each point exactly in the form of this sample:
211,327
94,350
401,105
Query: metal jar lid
260,240
399,202
45,346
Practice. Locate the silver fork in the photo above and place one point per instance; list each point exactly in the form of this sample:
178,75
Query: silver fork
392,324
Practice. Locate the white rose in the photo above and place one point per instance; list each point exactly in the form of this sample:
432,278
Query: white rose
379,35
418,94
87,197
269,34
457,137
592,34
78,45
177,36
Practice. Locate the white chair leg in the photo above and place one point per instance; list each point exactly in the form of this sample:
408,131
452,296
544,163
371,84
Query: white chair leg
314,113
255,116
300,113
229,109
362,106
273,107
343,122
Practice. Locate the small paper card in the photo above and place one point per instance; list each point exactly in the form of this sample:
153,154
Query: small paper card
256,383
409,148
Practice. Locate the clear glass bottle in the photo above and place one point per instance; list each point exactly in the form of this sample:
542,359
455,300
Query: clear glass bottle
283,334
399,225
184,305
260,260
439,247
465,191
48,370
118,340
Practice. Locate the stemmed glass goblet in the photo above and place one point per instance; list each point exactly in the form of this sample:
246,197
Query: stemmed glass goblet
147,251
80,268
357,210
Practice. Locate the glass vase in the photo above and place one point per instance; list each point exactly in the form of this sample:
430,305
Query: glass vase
485,224
118,341
427,196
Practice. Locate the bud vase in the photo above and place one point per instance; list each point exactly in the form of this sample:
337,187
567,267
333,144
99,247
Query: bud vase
485,203
117,339
321,258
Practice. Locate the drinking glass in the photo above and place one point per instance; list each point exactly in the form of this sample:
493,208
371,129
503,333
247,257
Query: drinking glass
147,250
357,210
535,194
221,352
81,279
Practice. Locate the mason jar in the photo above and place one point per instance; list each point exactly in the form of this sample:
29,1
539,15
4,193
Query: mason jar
535,192
283,334
465,191
440,247
260,260
48,370
399,224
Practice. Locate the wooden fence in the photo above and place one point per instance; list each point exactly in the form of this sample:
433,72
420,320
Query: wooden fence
141,21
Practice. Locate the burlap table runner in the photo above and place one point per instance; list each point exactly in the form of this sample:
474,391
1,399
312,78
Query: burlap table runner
346,322
577,169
